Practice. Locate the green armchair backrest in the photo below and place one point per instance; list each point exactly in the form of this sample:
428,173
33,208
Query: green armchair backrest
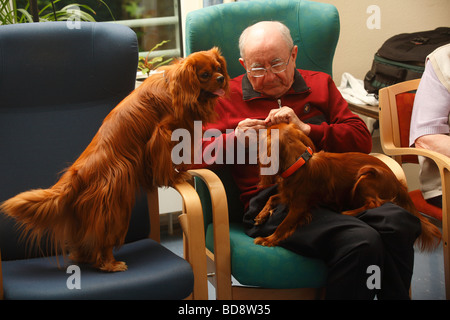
314,28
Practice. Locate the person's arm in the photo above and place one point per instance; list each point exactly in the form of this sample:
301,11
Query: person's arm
435,142
429,121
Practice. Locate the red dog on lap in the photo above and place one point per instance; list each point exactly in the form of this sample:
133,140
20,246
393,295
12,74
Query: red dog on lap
350,182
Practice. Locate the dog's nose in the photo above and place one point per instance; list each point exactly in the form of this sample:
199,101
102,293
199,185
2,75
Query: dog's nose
220,79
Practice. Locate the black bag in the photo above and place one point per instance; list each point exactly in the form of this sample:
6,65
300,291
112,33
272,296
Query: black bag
402,57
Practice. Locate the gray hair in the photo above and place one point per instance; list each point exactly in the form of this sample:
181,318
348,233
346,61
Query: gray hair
284,32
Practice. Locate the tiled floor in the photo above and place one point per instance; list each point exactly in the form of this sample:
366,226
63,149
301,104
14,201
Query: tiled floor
428,277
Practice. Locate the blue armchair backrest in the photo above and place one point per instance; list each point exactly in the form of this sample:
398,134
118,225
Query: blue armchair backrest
56,86
314,28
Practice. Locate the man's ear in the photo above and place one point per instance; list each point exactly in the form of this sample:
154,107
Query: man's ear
242,62
294,54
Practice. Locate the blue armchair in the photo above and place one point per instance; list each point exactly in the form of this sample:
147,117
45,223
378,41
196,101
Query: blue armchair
262,272
56,86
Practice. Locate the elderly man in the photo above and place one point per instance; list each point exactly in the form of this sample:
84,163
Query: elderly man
273,90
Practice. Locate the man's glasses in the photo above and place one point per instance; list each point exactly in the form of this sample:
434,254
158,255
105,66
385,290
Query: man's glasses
276,68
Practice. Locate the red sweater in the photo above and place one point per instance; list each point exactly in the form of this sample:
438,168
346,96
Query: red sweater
316,101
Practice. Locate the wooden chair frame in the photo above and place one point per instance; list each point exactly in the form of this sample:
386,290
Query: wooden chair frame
390,142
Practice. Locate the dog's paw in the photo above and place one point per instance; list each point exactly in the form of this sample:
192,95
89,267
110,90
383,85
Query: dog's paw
115,266
260,219
263,216
259,240
266,241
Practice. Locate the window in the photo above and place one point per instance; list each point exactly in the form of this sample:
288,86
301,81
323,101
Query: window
153,20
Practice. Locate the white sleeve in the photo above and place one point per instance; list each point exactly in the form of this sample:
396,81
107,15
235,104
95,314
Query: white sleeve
431,108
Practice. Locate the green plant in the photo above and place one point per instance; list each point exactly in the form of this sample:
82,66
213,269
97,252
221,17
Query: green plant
9,13
146,64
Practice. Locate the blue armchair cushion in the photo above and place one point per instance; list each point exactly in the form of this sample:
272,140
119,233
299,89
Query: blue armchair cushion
153,272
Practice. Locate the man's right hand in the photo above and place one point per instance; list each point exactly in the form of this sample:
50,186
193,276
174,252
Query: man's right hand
246,125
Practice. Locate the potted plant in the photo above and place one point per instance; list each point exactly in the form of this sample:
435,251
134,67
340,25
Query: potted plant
10,13
147,64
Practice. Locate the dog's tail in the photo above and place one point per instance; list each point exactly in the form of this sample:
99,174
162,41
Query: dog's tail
430,237
397,193
40,214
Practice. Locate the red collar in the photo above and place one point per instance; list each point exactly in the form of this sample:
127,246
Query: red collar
298,164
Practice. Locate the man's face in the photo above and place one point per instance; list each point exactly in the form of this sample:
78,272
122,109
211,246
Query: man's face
266,51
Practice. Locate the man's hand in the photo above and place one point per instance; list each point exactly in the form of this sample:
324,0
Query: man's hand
286,114
243,128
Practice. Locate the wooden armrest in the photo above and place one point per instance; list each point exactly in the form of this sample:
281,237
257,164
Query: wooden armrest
221,229
153,211
443,163
393,165
440,159
191,221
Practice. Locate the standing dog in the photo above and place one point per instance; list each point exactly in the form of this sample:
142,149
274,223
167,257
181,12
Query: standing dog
87,212
350,182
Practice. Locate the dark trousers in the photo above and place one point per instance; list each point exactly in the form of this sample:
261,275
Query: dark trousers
382,237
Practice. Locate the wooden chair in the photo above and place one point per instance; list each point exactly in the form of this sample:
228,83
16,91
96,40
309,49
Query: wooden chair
395,103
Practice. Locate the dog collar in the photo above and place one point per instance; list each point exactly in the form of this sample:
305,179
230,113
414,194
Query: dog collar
298,164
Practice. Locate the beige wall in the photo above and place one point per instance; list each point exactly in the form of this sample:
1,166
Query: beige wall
357,43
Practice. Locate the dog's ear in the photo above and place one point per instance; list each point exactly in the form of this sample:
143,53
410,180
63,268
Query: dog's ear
268,157
184,87
304,138
223,65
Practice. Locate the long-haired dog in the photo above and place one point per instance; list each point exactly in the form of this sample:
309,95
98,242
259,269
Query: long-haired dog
349,182
87,212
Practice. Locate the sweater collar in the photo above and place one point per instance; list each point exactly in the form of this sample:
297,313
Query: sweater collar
299,86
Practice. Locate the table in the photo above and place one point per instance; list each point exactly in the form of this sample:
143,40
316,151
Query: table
366,110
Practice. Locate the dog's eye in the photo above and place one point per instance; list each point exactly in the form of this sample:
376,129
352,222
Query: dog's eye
219,69
205,75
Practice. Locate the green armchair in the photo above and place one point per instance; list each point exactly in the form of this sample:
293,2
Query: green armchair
262,272
314,28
